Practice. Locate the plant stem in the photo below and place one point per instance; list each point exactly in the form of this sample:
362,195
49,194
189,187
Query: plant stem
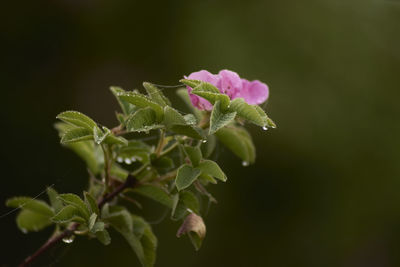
106,166
161,142
129,183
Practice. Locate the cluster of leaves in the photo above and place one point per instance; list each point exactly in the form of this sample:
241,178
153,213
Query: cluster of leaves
174,171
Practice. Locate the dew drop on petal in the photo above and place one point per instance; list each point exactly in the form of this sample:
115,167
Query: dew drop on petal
245,163
120,159
69,239
128,161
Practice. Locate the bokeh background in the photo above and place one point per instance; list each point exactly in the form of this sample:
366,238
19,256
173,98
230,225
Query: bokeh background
325,188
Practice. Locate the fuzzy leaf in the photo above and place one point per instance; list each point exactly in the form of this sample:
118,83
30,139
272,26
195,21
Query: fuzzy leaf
67,214
211,168
78,119
185,176
127,108
156,193
91,203
184,95
28,220
55,202
219,119
34,205
179,209
142,120
248,112
142,101
190,200
194,154
188,130
267,121
77,202
239,141
77,135
190,83
155,94
104,237
100,135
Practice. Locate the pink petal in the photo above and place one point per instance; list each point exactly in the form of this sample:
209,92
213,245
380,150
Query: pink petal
254,92
230,83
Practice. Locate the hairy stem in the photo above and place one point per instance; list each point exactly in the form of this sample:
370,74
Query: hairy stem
52,241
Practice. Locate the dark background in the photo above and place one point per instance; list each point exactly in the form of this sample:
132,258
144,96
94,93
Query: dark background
325,187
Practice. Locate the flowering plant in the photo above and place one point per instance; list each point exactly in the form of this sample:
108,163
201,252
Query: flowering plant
173,171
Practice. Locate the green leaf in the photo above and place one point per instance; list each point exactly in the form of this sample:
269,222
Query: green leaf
92,220
184,95
28,220
190,200
91,154
205,179
172,116
34,205
77,202
104,237
118,172
77,135
156,193
55,202
185,176
126,107
91,203
122,222
138,150
219,119
207,147
179,209
196,229
211,168
100,135
212,94
142,101
190,83
188,130
142,120
147,239
248,112
267,121
115,140
97,227
190,119
163,163
78,119
239,141
155,94
194,154
67,214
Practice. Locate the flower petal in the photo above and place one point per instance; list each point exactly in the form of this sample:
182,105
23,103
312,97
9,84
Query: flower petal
254,92
204,76
230,83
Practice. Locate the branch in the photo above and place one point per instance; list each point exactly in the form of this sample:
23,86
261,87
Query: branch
129,183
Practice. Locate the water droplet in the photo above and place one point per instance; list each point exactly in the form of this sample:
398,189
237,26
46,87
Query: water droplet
133,159
120,159
245,163
204,141
189,210
264,128
148,168
69,239
24,230
128,161
273,126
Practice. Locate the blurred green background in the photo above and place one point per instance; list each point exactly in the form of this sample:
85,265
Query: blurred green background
325,187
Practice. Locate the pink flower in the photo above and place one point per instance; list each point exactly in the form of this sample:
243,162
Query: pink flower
204,76
229,83
254,92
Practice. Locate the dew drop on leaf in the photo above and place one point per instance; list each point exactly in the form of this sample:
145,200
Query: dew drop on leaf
264,128
120,159
245,163
69,239
128,161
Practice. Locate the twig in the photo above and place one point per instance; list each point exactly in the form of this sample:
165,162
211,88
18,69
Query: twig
129,183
